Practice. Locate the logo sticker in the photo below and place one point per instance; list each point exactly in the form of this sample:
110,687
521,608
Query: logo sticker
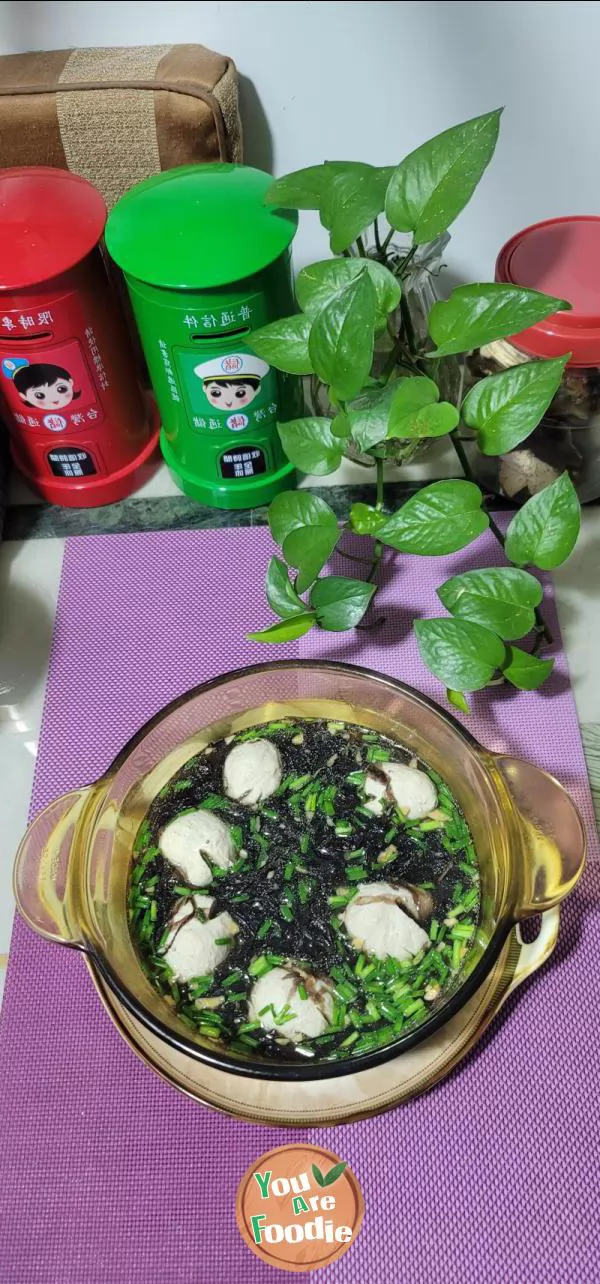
55,423
299,1208
237,422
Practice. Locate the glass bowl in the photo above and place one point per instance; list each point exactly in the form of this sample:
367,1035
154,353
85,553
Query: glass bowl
72,867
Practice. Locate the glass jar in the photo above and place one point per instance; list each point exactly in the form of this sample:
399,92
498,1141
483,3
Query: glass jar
559,257
420,292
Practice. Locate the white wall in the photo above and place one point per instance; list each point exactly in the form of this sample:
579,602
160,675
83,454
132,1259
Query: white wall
369,81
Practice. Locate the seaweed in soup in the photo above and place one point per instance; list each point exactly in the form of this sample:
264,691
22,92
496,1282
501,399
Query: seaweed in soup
303,869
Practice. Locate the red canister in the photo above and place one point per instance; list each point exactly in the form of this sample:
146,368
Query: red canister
79,426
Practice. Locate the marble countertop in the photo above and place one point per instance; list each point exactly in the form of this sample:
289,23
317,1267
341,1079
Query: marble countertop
30,568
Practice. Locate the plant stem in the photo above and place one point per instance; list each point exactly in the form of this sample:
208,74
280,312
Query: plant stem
544,632
387,240
399,356
406,261
408,329
377,236
361,247
379,491
378,549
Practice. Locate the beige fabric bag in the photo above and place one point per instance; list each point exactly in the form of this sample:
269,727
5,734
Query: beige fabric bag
116,116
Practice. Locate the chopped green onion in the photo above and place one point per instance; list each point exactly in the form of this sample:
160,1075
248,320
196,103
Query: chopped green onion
303,891
264,928
231,979
286,913
259,966
356,778
462,931
304,843
343,828
413,1008
302,991
358,852
298,782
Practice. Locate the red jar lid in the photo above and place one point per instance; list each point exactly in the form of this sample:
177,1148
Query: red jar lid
561,257
49,220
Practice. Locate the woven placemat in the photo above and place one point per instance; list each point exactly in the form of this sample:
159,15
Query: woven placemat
108,1175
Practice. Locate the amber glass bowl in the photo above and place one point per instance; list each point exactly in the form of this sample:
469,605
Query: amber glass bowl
72,867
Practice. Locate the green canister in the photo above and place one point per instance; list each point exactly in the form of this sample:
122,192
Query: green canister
206,262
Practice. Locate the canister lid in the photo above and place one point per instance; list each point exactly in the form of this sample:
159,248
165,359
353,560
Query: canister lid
198,226
561,257
49,220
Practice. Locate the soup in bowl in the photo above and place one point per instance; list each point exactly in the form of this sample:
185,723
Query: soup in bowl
300,869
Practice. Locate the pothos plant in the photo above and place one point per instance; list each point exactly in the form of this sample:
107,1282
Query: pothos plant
348,301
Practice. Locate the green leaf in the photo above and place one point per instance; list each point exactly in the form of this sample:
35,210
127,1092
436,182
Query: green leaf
310,445
284,344
458,699
477,314
439,519
369,419
502,599
340,603
432,421
281,594
341,339
341,177
366,520
355,197
504,408
527,672
308,550
307,529
416,411
301,190
434,183
284,630
296,508
544,532
340,426
464,656
318,1175
334,1173
317,284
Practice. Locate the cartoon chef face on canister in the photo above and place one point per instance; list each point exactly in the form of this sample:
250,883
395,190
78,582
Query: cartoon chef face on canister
233,381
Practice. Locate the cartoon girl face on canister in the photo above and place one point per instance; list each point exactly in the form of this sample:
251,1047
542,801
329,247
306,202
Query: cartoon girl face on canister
231,382
41,386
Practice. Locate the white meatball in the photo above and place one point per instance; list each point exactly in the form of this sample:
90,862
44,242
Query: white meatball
191,948
252,771
187,839
411,790
377,925
278,991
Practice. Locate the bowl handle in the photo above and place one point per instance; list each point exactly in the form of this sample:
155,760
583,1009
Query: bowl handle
552,834
40,878
535,953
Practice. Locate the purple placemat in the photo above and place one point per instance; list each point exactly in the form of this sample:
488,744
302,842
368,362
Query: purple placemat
111,1177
